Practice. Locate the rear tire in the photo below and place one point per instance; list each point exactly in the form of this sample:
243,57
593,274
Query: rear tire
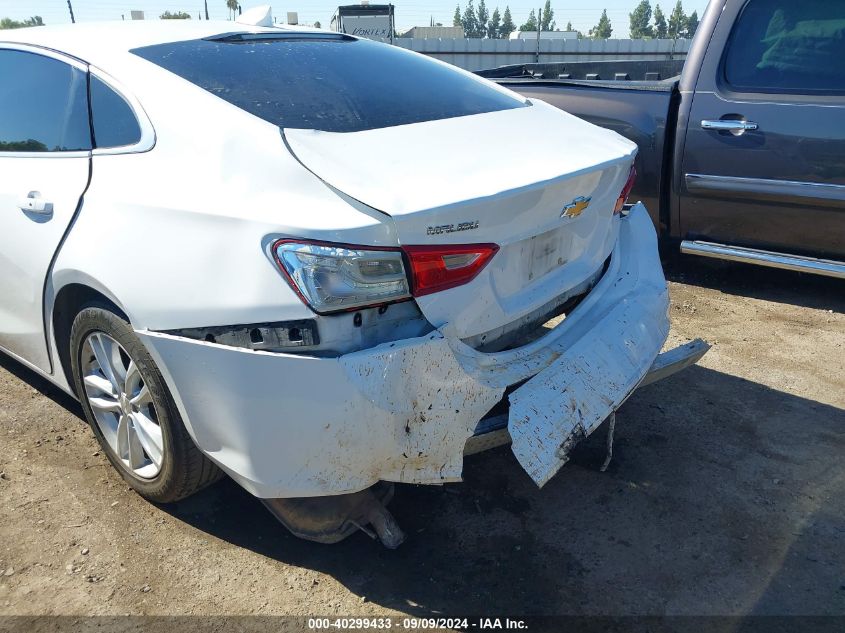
131,411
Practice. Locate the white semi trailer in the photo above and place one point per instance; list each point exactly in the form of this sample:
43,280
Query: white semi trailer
372,21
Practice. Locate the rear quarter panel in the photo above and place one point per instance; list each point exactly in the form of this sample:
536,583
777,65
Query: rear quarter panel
179,236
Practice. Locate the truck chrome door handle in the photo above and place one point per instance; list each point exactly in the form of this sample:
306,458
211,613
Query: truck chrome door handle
34,203
734,126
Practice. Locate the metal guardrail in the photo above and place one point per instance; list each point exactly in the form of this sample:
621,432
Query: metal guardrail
477,54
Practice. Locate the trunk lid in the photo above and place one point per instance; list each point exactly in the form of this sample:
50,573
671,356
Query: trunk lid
502,177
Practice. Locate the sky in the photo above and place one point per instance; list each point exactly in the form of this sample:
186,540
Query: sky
582,14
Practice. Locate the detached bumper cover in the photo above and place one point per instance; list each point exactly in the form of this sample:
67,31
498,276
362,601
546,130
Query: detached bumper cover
595,375
287,425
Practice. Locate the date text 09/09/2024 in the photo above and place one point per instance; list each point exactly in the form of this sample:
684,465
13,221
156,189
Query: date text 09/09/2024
385,623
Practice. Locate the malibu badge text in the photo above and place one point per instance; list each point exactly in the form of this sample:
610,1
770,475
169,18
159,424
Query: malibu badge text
452,228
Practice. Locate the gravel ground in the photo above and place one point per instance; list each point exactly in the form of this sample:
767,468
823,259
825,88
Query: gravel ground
726,495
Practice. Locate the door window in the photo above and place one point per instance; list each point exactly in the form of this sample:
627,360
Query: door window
43,104
788,46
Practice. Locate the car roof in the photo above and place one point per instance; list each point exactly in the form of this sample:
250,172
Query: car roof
97,43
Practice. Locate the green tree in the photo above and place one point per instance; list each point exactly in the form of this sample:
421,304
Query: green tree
692,24
482,19
603,29
660,28
547,22
508,26
469,21
8,23
570,28
29,145
494,26
530,23
177,15
456,21
677,21
232,5
641,21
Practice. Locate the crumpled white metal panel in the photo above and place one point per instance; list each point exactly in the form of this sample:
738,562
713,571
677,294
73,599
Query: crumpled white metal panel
436,403
590,363
569,400
285,425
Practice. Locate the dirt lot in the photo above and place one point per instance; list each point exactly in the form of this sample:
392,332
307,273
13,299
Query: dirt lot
726,496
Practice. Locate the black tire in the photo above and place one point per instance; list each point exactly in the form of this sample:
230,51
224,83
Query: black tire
184,469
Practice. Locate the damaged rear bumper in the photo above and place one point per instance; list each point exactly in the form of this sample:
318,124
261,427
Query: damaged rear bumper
286,425
492,431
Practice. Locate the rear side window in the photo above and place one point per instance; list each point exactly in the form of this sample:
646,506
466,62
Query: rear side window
43,104
788,46
114,121
329,83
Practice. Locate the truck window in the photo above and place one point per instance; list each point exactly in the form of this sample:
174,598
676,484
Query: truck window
332,83
788,46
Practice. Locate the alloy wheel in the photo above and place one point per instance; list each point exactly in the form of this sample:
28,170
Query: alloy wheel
122,405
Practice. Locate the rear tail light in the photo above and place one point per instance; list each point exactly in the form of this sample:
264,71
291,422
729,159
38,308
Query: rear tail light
436,268
626,191
338,277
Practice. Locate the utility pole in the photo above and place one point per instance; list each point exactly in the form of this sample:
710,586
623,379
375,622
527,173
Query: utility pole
70,8
206,9
539,23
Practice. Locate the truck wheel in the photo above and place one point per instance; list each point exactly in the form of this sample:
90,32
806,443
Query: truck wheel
131,410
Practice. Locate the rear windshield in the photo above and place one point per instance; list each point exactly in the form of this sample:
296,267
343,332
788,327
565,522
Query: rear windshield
329,83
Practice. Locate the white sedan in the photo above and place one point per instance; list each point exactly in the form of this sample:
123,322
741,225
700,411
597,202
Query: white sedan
313,262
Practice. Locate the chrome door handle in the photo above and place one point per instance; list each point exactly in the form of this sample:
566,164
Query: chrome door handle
34,203
734,126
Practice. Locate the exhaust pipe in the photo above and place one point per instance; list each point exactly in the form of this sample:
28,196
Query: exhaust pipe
332,519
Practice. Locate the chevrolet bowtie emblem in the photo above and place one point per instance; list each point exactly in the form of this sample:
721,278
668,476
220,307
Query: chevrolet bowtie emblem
576,207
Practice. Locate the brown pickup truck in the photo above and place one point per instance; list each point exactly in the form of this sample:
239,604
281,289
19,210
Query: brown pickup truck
742,156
